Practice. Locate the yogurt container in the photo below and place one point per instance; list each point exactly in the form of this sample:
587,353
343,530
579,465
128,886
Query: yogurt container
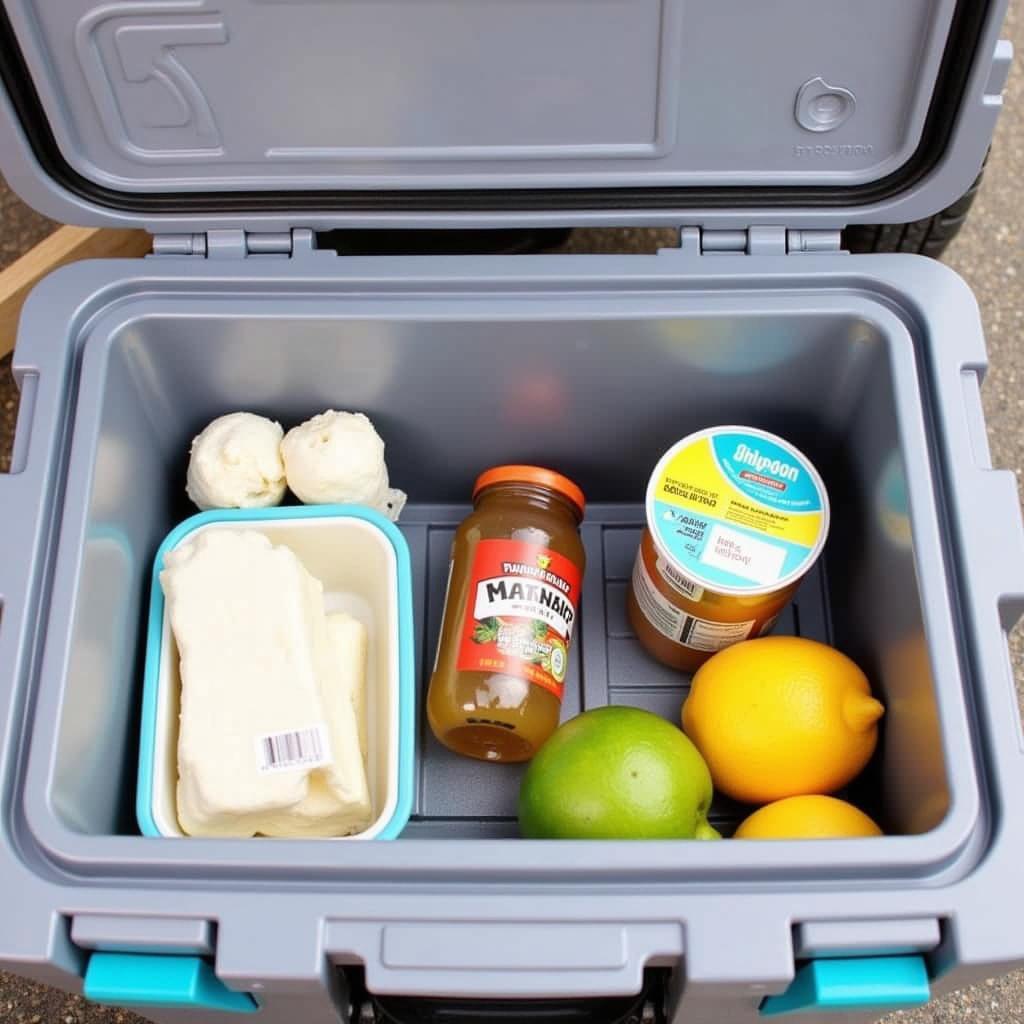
735,519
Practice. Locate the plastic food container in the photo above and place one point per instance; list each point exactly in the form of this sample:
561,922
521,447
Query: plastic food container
363,562
736,518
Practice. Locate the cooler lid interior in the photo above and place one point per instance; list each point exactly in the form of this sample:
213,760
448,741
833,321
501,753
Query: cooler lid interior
153,108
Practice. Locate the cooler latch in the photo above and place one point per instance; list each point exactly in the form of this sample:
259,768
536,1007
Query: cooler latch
765,240
236,244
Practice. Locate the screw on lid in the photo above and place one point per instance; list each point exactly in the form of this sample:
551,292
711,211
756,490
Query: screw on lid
532,475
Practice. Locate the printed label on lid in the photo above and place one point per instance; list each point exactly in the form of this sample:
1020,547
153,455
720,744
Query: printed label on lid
737,509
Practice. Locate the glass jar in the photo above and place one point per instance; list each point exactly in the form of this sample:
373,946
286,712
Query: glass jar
513,594
736,517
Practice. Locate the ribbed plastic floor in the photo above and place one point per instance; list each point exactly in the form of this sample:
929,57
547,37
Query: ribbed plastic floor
460,797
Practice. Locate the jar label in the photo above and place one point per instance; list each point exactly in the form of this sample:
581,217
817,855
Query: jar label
520,613
680,626
677,581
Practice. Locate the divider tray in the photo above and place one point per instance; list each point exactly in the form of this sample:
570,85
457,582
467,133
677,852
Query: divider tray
459,796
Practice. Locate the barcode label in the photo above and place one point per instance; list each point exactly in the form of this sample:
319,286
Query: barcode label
702,635
305,748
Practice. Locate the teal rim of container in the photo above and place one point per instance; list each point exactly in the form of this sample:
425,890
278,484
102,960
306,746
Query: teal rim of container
406,663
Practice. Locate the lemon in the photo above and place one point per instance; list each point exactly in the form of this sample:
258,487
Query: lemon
808,817
781,716
616,773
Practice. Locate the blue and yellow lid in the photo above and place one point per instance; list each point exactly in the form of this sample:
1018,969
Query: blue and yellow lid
737,510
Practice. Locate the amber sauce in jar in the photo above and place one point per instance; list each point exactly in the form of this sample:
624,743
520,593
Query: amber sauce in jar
510,613
736,517
753,616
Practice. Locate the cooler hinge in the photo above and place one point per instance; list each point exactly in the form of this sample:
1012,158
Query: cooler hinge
236,244
759,241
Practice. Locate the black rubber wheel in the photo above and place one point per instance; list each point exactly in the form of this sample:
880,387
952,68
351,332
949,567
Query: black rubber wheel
928,237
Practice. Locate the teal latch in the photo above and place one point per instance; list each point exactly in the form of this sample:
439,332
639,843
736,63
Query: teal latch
146,979
874,982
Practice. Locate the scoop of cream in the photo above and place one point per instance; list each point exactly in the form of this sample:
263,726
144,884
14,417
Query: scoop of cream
236,463
338,458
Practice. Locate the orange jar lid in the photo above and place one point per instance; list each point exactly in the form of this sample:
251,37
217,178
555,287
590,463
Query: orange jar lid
531,475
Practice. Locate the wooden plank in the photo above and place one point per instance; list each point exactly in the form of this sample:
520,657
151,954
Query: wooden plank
65,245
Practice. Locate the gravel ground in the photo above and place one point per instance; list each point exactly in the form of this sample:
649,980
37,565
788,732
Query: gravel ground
988,254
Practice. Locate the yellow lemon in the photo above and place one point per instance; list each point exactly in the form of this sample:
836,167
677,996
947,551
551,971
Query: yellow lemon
808,817
781,716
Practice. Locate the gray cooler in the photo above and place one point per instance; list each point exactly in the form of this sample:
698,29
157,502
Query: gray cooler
240,132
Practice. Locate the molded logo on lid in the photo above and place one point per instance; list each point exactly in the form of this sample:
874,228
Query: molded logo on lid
738,510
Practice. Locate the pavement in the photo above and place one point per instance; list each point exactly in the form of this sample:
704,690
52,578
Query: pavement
989,254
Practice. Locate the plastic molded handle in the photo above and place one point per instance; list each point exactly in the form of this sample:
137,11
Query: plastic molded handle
181,982
517,959
877,983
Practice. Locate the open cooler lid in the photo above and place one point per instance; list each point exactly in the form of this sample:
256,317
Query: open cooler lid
188,115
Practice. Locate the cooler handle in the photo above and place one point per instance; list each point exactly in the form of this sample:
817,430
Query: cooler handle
21,502
992,540
516,959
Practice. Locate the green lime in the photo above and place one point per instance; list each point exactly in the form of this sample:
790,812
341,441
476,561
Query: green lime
616,773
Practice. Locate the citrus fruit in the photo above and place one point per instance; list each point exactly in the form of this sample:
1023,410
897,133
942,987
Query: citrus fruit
808,817
616,773
781,716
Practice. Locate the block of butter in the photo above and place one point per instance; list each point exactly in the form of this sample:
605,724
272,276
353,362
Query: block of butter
348,640
337,802
259,750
